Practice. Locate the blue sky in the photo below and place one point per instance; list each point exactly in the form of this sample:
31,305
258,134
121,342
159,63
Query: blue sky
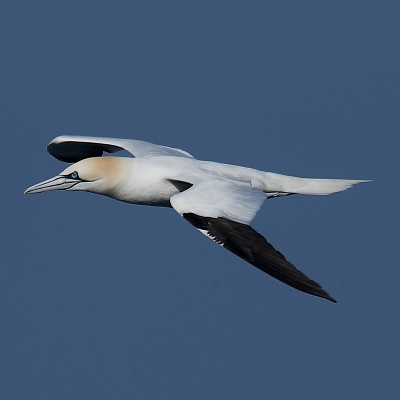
105,300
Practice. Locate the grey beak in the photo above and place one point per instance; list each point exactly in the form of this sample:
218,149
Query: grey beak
57,183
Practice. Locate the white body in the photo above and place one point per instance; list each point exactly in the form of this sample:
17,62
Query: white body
218,199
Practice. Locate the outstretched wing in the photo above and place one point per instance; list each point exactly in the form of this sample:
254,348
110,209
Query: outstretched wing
76,148
222,211
246,243
219,197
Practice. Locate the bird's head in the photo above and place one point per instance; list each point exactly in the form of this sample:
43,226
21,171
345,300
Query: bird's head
97,175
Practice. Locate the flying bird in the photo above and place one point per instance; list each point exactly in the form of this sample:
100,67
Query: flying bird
220,200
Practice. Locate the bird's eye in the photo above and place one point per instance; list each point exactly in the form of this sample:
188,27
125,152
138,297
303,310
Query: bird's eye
74,175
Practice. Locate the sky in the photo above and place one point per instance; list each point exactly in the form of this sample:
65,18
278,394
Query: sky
104,300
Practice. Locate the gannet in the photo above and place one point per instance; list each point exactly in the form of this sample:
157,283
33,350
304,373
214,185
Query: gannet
220,200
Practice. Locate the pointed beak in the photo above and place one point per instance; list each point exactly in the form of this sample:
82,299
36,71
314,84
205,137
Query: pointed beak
57,183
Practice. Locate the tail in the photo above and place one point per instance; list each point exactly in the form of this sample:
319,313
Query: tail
282,184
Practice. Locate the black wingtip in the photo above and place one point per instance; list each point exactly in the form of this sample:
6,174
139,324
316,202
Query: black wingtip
326,296
311,287
74,151
243,241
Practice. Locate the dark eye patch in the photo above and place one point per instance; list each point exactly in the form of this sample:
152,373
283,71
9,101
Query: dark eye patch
72,175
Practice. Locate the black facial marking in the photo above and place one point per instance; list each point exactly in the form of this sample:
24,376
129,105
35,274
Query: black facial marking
73,175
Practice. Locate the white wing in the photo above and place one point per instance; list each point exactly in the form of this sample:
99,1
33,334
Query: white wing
221,210
234,200
76,148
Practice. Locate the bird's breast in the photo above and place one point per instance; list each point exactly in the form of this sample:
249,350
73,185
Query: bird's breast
144,184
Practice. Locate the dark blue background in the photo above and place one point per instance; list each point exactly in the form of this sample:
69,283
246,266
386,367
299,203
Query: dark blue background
105,300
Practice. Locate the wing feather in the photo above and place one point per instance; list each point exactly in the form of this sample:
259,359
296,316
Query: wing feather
216,197
243,241
76,148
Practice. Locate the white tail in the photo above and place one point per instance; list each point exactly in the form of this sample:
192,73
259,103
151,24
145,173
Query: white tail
280,185
290,184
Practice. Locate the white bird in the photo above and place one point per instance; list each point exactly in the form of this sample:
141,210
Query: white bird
220,200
